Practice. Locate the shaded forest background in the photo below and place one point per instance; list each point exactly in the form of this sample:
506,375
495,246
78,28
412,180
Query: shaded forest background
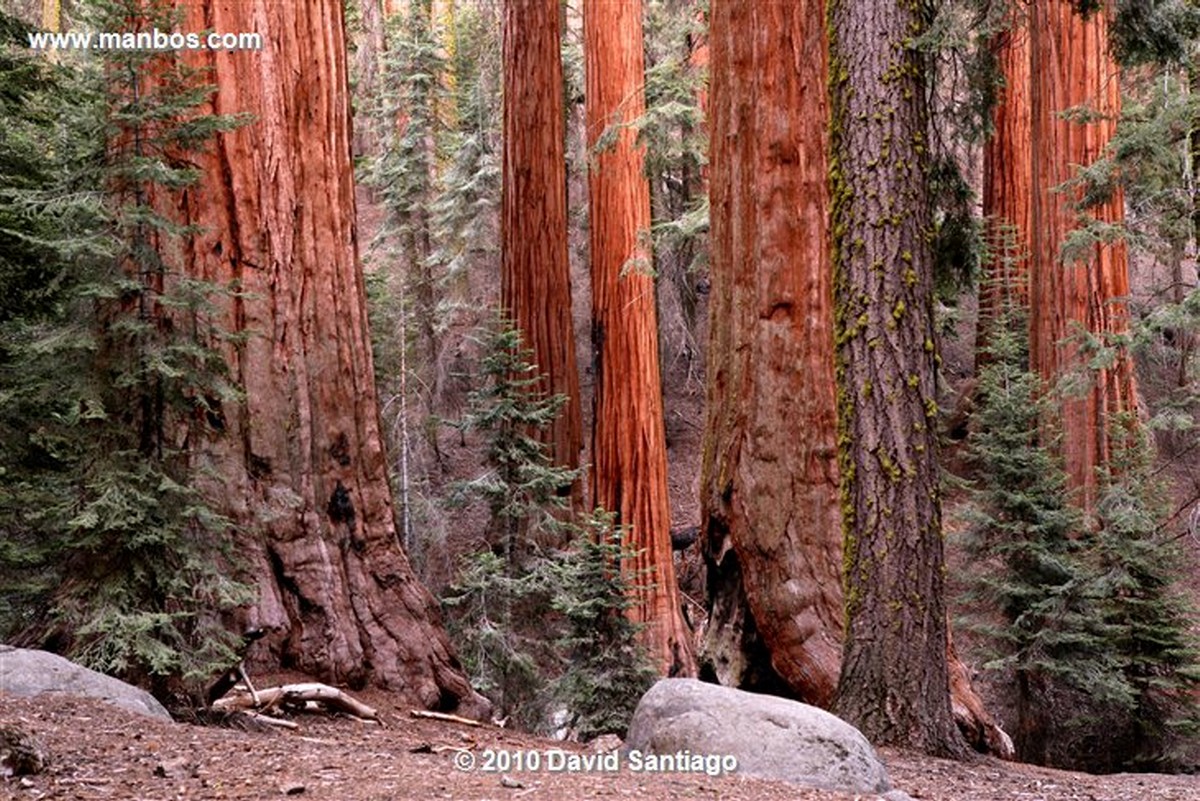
492,525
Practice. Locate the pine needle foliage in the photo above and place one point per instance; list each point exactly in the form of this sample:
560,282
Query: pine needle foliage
1024,538
32,277
522,487
1086,623
413,105
112,554
606,670
1137,567
541,628
674,130
414,67
466,210
1152,31
959,54
489,609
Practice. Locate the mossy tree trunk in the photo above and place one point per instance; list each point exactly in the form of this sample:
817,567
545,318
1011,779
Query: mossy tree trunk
1082,288
629,455
894,683
769,481
535,269
301,467
772,522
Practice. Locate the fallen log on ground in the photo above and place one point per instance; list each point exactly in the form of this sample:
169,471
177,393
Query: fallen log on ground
297,695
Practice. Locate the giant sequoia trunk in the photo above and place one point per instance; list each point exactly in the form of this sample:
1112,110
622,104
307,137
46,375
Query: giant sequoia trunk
1081,288
301,466
629,454
535,277
1007,183
769,499
771,516
894,683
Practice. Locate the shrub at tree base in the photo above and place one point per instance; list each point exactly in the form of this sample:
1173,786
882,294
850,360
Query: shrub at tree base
539,627
111,381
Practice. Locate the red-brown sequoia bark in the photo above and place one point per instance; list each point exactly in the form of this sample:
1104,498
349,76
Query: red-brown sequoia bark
770,479
772,521
1082,288
629,456
535,270
1008,182
301,466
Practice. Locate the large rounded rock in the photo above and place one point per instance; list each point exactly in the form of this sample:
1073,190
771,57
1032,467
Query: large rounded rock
770,737
26,673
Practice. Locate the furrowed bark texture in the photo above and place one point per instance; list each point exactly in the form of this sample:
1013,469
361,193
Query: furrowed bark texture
301,467
773,534
894,683
1084,288
535,270
770,499
629,472
1007,182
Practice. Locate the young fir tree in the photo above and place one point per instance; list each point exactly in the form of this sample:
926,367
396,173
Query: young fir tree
1161,659
110,391
405,173
522,486
1094,638
536,627
1025,537
605,670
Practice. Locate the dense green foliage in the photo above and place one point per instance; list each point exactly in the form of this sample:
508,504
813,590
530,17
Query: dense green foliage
1032,569
522,487
1149,31
30,92
438,171
963,81
1160,662
1089,628
110,378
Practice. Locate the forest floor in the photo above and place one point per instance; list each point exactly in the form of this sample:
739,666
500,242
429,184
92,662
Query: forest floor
98,752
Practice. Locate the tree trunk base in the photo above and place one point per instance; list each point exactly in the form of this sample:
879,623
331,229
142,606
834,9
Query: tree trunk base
977,726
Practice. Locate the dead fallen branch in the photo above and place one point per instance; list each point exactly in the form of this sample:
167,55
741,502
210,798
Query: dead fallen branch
267,720
424,713
307,695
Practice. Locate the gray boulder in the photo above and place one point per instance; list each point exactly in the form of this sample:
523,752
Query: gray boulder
770,737
27,673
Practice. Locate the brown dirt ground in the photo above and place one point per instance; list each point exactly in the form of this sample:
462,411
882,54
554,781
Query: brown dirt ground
98,752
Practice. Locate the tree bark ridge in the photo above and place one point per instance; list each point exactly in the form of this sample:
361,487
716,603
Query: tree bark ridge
629,472
301,467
